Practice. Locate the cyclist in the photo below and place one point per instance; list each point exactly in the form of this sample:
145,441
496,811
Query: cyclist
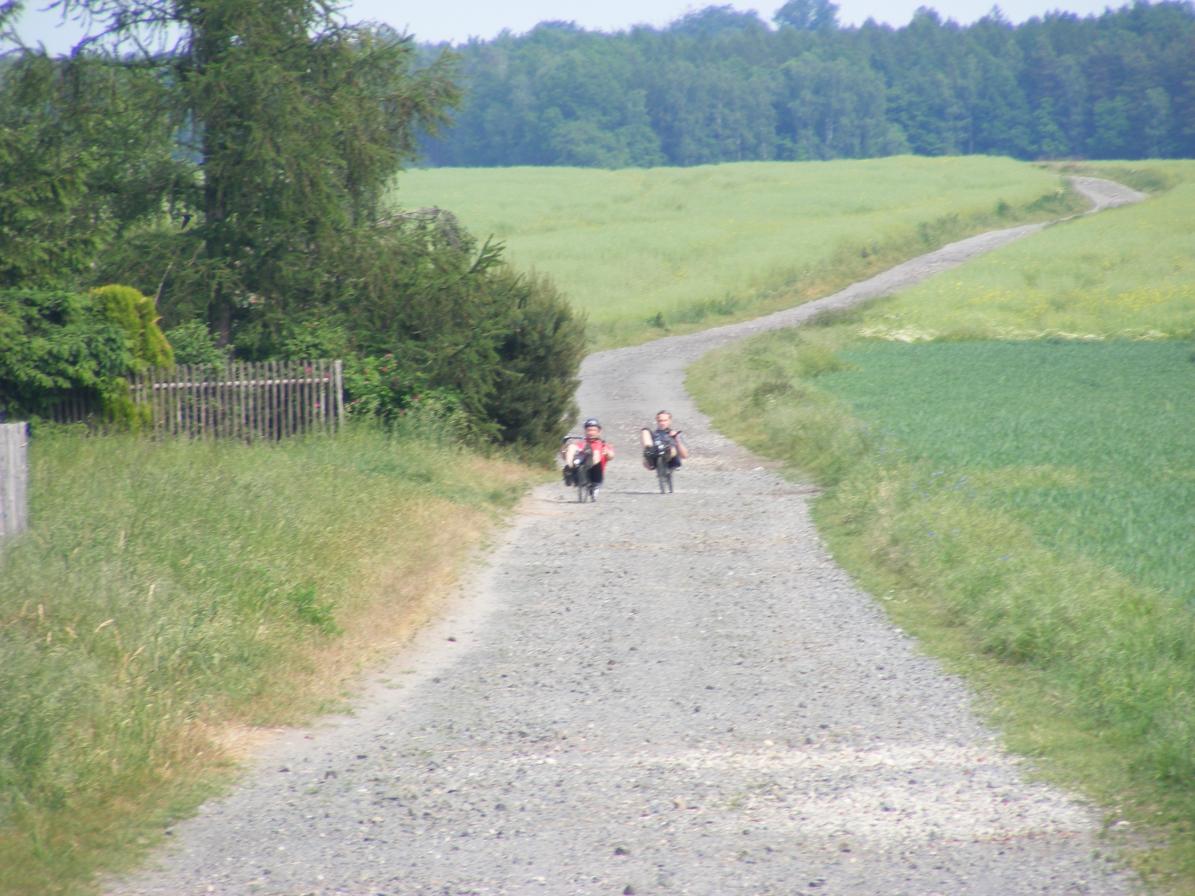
663,439
592,452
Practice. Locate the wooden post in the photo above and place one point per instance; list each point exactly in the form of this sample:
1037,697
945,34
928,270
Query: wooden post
292,394
14,478
254,405
338,393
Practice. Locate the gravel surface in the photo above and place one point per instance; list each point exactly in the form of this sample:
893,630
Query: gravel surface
653,694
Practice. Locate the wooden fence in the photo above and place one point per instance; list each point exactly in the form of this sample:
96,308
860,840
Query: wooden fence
265,400
14,478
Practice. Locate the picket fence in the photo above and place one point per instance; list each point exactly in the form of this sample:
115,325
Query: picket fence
14,478
241,400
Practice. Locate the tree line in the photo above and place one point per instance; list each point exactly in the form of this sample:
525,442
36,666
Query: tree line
228,162
719,85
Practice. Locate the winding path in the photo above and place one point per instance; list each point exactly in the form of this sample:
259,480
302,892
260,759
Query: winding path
654,695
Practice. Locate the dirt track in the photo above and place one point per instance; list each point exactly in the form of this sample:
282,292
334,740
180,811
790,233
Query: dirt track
654,695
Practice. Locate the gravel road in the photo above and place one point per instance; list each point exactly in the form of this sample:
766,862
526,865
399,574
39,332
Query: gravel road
653,694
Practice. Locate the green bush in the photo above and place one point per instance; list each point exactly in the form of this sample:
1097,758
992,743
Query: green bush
382,389
55,344
137,317
540,352
435,324
193,343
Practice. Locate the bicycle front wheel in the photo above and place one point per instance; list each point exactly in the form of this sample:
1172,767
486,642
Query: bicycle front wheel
664,474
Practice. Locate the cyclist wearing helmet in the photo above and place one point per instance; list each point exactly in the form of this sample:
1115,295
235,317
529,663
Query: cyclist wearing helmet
592,451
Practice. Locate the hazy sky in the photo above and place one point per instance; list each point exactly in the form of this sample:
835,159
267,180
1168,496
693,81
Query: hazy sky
458,20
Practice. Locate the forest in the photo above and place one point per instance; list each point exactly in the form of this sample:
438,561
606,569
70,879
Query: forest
720,85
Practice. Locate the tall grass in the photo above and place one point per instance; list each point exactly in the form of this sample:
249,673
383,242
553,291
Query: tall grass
646,251
172,595
1025,507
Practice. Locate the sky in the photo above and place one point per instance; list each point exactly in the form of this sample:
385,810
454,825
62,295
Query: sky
457,20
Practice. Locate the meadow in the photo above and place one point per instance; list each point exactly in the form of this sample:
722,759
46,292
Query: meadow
1009,466
173,602
650,252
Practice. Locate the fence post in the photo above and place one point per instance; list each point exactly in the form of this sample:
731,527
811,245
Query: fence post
14,478
338,391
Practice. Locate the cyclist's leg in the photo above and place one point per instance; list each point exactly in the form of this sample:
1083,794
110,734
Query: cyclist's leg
649,449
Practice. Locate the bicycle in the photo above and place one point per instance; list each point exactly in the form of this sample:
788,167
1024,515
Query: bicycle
663,468
578,474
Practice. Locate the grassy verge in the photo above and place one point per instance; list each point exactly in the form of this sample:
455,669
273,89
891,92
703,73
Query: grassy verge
1023,505
172,600
669,250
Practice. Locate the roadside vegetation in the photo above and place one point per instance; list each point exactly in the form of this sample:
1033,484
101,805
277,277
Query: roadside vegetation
1008,465
647,253
174,601
150,159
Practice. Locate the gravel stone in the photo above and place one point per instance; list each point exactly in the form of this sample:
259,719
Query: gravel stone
654,694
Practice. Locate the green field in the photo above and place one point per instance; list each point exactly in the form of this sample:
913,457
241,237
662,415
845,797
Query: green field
1126,273
1008,458
1090,444
668,249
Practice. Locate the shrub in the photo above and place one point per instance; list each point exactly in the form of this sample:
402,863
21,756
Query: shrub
382,389
425,318
55,344
541,352
137,317
193,343
436,324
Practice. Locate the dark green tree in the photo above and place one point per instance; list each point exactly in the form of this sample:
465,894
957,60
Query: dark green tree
718,85
833,109
999,111
298,122
440,314
86,154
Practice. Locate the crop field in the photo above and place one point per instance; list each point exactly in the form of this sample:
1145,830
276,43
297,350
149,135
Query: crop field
643,252
1008,458
1089,443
